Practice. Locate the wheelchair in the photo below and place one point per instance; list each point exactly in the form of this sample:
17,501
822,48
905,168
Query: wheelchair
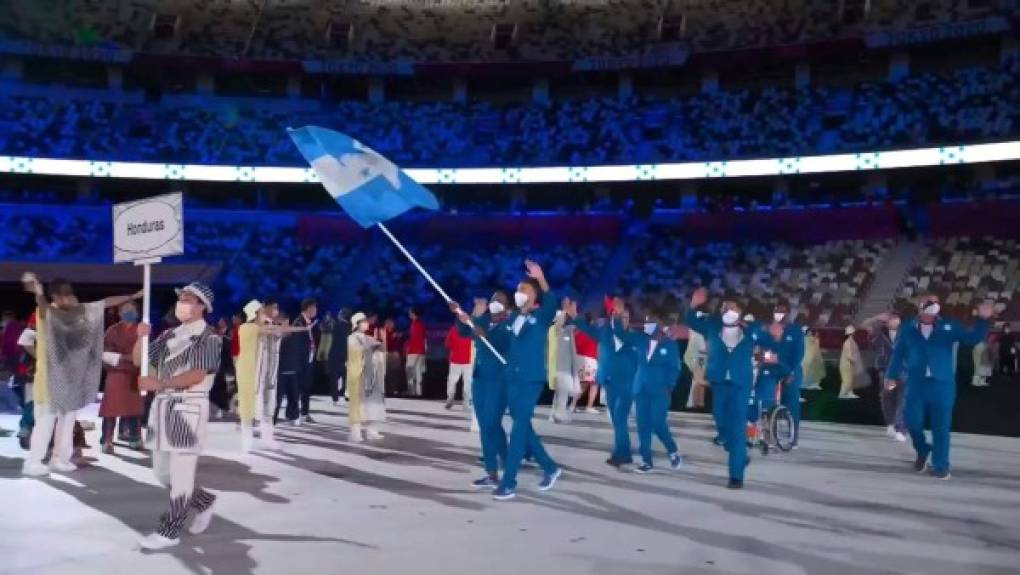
774,426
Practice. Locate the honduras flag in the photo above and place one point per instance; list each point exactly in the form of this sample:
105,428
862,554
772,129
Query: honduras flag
370,188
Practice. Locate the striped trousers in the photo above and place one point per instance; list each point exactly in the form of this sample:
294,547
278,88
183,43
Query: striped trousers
177,471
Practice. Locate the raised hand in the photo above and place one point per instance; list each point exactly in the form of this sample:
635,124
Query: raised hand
534,270
699,297
618,306
481,305
144,330
570,308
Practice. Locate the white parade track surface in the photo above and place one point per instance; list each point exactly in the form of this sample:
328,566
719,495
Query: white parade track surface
847,502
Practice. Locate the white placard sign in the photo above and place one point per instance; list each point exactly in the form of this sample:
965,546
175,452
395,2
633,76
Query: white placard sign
148,229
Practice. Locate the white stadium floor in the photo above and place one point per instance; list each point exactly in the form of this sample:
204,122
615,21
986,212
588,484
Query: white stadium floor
847,502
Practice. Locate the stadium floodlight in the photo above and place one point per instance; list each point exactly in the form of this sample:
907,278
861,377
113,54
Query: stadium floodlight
861,161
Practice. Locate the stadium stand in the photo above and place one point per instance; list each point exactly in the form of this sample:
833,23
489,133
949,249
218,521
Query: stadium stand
973,104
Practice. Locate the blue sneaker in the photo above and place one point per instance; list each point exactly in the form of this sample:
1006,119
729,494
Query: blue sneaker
643,469
485,483
549,480
504,494
675,461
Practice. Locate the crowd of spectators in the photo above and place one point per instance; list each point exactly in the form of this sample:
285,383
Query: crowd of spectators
965,271
967,105
459,31
823,282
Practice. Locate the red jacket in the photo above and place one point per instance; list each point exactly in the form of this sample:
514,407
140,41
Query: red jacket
416,338
458,346
585,345
235,343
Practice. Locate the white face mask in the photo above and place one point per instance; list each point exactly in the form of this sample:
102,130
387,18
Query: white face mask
184,311
730,317
521,298
650,327
932,308
495,307
778,317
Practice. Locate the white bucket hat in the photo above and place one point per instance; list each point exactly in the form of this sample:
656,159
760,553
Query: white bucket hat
356,319
251,308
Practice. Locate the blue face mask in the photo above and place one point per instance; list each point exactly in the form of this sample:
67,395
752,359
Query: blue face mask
129,316
650,328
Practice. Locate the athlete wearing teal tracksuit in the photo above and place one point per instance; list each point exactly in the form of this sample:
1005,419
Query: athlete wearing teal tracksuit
528,332
657,374
489,385
618,362
730,372
924,349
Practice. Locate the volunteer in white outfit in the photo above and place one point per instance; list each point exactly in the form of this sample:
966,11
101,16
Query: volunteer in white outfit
367,408
183,363
257,368
564,366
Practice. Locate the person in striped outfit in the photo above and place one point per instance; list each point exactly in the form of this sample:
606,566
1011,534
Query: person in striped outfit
183,364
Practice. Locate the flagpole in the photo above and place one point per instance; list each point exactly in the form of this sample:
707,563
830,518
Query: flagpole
432,281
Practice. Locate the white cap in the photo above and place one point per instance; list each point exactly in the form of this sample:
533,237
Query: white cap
850,330
356,319
251,308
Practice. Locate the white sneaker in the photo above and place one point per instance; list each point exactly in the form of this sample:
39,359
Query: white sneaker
850,395
592,411
63,467
155,542
890,430
355,435
201,522
373,435
33,469
901,437
299,421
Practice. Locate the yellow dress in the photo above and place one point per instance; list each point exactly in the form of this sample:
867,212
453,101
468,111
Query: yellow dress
355,368
850,365
247,372
813,364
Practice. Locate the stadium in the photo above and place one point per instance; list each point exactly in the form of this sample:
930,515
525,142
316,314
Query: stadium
359,262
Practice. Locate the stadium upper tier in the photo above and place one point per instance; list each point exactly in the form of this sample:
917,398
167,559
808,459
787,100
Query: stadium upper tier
967,105
446,30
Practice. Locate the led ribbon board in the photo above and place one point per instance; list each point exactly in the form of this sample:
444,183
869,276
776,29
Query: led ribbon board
864,161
